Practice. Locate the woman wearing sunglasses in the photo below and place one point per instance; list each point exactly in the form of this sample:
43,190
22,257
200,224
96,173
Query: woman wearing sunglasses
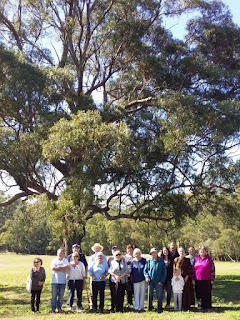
118,272
38,277
76,281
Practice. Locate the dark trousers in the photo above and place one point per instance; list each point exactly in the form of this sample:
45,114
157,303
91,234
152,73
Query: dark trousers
168,287
72,286
119,295
112,292
35,298
98,287
204,293
129,290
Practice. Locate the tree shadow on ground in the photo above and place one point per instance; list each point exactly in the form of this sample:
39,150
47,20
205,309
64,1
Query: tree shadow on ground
13,295
226,290
225,296
226,308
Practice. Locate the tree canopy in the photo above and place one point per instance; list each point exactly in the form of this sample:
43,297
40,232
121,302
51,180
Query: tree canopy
156,144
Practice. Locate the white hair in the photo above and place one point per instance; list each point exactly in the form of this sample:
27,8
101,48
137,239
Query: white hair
59,250
135,251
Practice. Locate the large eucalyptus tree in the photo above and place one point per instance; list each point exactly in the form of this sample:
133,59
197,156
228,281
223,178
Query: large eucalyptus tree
106,112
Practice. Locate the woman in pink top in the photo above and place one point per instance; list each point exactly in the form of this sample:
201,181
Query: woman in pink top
204,276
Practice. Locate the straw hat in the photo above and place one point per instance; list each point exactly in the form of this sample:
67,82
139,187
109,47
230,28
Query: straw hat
97,245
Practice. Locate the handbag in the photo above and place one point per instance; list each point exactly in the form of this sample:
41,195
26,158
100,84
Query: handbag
29,284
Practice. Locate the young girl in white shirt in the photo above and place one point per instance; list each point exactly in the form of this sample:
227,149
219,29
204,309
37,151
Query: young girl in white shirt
177,288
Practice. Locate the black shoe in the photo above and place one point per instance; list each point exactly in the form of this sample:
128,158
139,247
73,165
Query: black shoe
160,311
100,310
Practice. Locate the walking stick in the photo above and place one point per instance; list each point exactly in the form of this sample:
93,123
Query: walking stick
86,287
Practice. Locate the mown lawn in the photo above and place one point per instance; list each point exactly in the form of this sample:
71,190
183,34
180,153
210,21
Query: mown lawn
15,300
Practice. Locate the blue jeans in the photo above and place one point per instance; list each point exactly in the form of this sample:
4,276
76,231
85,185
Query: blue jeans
159,293
57,295
72,286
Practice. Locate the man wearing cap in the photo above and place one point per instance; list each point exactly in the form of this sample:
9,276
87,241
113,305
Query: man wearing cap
111,283
155,274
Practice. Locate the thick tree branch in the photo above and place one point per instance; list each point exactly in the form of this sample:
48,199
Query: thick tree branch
16,197
10,26
140,101
93,209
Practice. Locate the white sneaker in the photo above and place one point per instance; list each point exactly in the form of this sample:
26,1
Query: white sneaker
79,310
69,308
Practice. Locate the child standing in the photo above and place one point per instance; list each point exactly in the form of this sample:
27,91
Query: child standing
177,287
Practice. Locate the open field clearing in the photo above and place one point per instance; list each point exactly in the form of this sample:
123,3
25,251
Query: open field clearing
15,299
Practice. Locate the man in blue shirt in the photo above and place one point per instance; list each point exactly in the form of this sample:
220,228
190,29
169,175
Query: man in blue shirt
155,274
59,266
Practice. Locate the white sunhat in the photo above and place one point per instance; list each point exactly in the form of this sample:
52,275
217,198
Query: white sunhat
97,245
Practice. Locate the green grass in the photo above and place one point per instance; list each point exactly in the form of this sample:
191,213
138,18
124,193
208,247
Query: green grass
15,299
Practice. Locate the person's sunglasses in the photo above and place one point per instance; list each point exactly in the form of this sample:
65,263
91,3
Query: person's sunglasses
117,255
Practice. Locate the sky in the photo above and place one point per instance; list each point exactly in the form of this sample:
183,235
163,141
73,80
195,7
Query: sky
177,27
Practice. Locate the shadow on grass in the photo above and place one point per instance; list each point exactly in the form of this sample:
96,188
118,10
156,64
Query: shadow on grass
226,290
224,309
225,296
13,296
17,296
228,278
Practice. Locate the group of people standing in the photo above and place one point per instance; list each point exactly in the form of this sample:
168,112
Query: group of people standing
170,270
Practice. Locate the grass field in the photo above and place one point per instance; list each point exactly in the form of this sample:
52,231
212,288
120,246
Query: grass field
15,300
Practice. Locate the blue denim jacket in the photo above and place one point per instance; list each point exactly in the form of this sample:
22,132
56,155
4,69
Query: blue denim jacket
155,270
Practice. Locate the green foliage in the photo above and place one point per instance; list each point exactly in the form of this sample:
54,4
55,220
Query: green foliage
67,220
164,127
93,144
8,212
30,230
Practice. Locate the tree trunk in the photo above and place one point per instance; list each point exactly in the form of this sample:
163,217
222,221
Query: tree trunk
67,244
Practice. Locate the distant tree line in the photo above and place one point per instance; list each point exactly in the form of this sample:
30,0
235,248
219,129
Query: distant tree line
34,228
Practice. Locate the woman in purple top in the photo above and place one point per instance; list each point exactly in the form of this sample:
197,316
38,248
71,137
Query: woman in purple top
204,276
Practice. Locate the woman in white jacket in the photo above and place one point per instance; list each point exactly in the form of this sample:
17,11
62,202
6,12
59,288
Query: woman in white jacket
177,288
76,281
